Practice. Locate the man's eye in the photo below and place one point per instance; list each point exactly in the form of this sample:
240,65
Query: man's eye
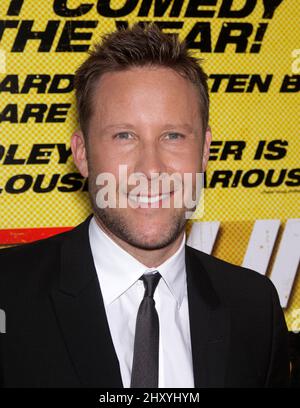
123,135
174,136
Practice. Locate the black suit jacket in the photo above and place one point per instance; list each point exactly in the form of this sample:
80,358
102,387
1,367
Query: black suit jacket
57,333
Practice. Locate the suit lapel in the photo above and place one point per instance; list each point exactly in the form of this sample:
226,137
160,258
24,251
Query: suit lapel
80,311
209,325
81,314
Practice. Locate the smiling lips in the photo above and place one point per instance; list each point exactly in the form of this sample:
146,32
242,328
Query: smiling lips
147,199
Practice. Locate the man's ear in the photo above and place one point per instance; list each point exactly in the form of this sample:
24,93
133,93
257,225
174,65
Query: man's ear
79,151
207,141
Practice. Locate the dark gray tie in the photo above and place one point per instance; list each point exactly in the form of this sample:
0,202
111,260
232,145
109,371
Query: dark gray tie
144,372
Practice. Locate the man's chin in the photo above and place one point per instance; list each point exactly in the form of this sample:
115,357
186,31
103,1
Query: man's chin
144,234
150,243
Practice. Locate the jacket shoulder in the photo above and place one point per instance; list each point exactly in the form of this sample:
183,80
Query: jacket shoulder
232,282
30,266
30,251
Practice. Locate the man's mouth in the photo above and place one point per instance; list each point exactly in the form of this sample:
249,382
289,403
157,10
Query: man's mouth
148,199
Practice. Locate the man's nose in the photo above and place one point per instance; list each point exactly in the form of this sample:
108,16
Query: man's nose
150,160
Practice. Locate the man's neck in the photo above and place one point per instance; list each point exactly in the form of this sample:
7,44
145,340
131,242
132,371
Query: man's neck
148,257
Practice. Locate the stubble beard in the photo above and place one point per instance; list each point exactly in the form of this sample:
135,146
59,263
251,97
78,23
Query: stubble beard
114,221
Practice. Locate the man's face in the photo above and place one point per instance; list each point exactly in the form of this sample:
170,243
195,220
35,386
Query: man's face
148,119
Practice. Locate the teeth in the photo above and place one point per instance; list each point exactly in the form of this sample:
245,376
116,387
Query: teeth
148,200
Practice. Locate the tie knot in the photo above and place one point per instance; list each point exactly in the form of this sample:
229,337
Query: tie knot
150,283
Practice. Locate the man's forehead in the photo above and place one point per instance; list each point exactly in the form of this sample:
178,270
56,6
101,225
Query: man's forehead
143,75
155,91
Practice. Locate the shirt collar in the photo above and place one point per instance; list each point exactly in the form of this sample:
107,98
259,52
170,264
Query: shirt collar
117,270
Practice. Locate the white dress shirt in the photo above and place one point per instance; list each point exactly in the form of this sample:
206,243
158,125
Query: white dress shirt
122,292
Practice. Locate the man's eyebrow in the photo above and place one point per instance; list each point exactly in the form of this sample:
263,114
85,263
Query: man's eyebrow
167,126
118,125
185,126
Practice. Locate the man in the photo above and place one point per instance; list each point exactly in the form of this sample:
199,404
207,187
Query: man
121,300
